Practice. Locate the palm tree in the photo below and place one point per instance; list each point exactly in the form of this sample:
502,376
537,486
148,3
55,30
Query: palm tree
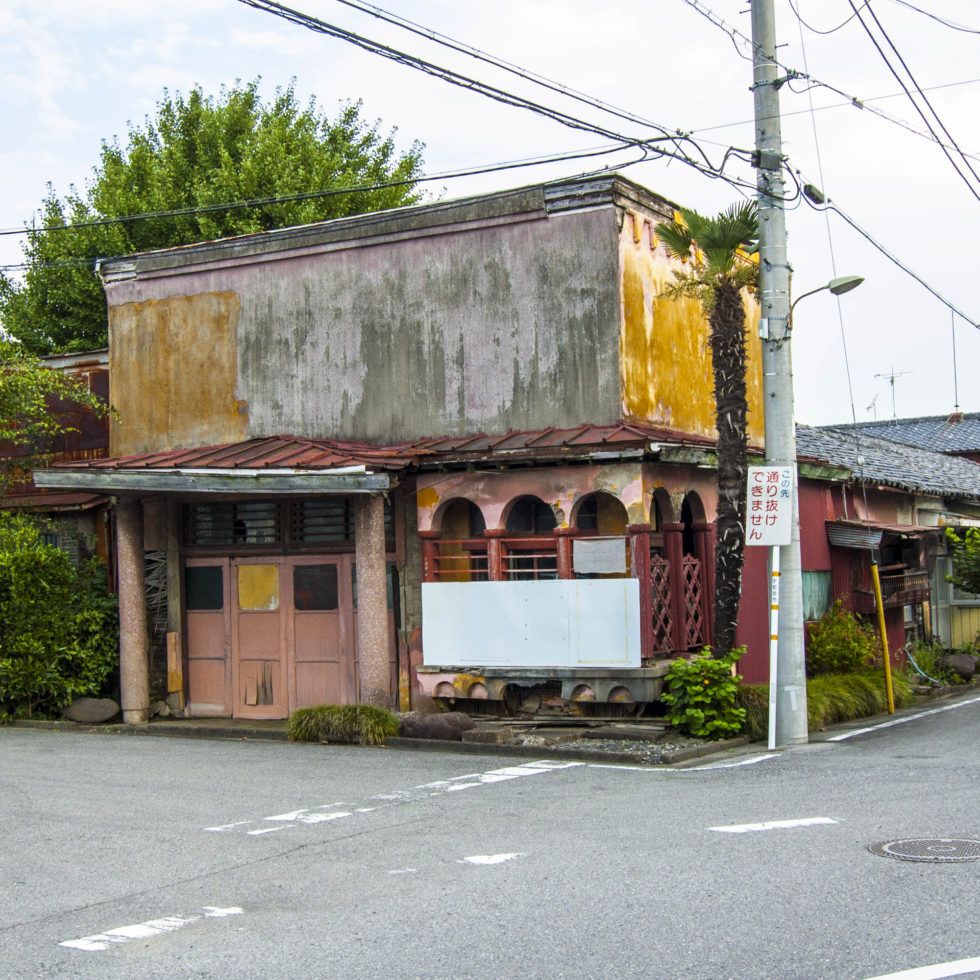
716,253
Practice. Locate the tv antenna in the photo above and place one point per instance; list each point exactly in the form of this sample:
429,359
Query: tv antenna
890,378
870,407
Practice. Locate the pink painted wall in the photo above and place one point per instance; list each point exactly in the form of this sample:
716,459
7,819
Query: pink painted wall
753,617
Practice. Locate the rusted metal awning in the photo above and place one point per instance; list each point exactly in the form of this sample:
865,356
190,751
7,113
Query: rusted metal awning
868,534
54,501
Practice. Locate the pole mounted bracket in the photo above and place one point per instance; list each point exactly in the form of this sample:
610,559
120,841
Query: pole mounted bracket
767,160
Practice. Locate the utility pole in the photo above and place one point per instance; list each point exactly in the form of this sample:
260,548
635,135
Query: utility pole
790,680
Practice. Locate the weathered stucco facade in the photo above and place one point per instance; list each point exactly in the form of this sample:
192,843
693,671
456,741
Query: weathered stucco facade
524,310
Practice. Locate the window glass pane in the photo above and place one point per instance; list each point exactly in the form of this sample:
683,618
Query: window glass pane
204,588
816,594
258,587
315,587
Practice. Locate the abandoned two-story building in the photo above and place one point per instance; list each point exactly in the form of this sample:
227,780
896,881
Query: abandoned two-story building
461,450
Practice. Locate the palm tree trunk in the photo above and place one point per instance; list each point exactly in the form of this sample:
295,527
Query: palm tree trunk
728,365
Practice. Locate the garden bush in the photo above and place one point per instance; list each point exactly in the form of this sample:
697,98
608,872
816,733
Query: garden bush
58,624
830,699
360,723
700,695
839,643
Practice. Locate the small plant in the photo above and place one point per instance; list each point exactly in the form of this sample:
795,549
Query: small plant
839,643
830,698
700,695
928,657
361,723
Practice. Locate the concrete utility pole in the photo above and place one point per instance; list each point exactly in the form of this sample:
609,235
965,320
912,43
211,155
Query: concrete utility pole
791,720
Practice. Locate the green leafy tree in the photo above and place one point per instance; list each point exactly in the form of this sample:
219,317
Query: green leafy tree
718,267
964,549
198,151
59,627
29,419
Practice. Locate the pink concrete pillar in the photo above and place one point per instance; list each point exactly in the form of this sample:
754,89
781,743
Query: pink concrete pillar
639,535
134,639
372,601
430,551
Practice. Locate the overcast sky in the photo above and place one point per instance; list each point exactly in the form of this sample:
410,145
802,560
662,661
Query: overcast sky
73,73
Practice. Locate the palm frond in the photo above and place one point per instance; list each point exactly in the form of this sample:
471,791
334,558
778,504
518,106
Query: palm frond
676,237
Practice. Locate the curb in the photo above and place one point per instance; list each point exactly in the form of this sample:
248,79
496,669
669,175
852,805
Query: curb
587,755
156,730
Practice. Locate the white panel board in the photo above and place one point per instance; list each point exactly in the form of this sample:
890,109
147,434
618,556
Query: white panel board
599,555
576,623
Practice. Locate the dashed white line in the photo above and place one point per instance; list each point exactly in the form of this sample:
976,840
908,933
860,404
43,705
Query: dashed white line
749,828
146,930
954,968
324,812
902,721
490,858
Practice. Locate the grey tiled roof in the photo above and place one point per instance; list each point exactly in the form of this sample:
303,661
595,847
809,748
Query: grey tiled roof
890,463
943,433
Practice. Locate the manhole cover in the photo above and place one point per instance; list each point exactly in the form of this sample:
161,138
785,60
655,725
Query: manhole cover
940,850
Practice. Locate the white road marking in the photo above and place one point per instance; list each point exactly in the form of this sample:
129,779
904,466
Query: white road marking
146,930
751,761
902,721
748,828
955,968
441,787
403,871
490,858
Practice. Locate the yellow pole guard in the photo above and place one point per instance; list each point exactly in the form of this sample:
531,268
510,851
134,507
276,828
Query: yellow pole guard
884,638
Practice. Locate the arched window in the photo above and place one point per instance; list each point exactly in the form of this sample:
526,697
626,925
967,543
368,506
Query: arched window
601,513
692,512
530,515
461,519
461,553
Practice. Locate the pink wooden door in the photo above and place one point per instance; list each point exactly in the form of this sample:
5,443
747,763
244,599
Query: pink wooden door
206,598
258,638
322,661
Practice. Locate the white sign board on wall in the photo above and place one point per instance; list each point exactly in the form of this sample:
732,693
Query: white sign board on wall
769,506
565,623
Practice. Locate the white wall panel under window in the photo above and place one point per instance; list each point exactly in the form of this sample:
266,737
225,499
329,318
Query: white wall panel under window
566,623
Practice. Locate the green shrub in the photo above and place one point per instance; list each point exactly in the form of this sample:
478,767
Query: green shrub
58,625
830,699
360,723
839,643
700,695
928,655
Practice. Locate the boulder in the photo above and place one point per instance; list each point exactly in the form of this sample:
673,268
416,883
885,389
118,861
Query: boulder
448,726
91,711
964,665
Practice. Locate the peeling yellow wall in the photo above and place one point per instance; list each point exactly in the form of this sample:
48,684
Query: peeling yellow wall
666,361
173,370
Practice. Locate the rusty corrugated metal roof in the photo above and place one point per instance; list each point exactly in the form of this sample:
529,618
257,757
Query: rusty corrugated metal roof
294,452
41,500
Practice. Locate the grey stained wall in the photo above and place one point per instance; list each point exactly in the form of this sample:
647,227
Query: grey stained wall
508,323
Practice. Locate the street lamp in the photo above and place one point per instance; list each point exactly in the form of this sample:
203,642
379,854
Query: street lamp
838,286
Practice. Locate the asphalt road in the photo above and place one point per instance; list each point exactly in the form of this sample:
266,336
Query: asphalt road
183,858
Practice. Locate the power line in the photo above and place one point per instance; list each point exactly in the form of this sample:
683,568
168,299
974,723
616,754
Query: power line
514,69
315,195
503,96
922,115
936,17
793,74
865,234
817,30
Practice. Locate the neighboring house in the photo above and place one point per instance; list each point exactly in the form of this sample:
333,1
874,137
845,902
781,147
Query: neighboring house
953,435
463,450
892,501
79,522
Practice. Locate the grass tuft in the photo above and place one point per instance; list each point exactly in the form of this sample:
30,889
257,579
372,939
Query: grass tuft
354,723
830,698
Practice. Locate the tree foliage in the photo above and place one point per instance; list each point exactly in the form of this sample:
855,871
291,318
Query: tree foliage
28,422
964,549
717,256
839,643
59,628
197,151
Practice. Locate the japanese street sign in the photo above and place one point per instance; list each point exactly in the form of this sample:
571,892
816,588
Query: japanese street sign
769,508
